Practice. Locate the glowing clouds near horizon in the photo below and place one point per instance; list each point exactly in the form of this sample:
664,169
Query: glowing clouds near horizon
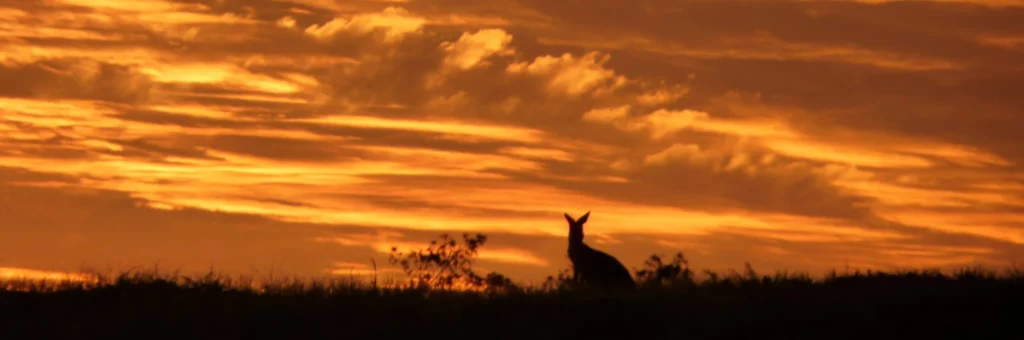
15,274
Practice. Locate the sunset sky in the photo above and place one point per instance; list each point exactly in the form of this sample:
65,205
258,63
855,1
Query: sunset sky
306,137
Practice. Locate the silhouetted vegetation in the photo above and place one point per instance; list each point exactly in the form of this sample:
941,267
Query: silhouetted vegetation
447,264
671,301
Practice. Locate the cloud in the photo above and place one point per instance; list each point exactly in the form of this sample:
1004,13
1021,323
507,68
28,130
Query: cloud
472,49
1009,42
608,114
225,74
839,154
767,47
1002,226
893,193
662,96
76,78
663,122
541,153
395,22
10,273
443,127
685,152
286,22
773,148
660,123
774,133
718,176
572,75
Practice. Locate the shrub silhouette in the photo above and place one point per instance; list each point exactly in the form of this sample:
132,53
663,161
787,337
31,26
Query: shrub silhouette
563,281
447,264
658,273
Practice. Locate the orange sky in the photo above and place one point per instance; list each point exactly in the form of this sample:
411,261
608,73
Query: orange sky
307,137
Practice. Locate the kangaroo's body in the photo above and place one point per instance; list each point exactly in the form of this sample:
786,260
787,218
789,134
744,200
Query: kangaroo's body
593,267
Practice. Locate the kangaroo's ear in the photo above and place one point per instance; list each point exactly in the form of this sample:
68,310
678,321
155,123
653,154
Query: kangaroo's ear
583,219
569,218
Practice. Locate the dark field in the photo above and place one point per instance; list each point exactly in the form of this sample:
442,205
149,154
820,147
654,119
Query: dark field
969,304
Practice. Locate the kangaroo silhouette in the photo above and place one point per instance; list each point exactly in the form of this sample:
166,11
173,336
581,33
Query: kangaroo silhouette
593,267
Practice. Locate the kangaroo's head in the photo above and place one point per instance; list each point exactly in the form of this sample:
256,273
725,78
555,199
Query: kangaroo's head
576,228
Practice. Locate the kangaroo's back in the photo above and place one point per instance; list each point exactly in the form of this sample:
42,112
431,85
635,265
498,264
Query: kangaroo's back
603,269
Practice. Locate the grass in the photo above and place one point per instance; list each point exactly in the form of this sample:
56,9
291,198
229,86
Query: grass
973,303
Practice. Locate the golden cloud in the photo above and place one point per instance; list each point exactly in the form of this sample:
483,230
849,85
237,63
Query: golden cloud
13,273
766,47
572,75
395,22
472,49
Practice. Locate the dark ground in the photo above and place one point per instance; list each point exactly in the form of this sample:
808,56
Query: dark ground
912,305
